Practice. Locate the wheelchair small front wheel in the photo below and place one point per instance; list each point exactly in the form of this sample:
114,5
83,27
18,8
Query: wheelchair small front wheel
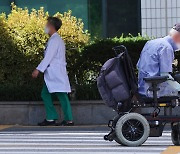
106,137
175,134
132,129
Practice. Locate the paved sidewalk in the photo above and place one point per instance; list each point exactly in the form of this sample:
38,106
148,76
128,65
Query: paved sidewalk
5,126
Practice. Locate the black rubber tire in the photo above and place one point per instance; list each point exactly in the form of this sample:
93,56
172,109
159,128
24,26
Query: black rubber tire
175,134
141,131
116,118
118,141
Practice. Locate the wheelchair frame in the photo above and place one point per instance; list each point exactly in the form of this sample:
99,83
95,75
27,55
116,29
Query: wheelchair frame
156,121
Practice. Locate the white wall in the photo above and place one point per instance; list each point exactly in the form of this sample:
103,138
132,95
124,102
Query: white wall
159,16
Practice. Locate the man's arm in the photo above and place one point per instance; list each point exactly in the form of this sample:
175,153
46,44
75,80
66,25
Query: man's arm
166,57
51,50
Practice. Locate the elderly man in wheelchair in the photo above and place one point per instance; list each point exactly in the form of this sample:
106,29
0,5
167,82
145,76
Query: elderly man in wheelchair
145,106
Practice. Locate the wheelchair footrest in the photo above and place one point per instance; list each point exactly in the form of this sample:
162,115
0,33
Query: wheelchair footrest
110,136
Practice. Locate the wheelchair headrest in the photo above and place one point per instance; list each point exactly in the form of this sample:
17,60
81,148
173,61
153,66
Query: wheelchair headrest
119,49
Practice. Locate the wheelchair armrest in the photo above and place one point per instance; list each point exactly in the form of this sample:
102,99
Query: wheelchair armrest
156,79
177,77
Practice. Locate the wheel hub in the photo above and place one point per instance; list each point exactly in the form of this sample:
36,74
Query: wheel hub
132,130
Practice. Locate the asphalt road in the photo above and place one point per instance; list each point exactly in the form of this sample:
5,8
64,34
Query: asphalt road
56,140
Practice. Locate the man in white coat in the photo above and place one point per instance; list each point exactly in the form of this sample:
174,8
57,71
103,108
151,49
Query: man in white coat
55,75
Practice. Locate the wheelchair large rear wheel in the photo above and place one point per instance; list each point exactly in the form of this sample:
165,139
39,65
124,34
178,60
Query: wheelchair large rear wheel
132,129
175,134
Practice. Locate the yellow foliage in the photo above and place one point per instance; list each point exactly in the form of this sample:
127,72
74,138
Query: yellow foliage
72,29
27,29
22,41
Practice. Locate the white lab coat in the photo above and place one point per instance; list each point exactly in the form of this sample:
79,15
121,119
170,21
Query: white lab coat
54,65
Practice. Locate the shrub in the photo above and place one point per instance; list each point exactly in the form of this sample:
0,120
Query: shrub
22,41
177,55
95,54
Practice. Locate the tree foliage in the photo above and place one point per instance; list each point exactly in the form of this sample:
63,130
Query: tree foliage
22,41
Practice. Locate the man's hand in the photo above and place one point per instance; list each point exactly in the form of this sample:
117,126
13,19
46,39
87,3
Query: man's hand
35,73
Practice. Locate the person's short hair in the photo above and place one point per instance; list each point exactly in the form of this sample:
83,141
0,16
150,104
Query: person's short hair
56,22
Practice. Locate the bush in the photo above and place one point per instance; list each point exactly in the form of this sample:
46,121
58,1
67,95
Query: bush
177,56
94,55
22,41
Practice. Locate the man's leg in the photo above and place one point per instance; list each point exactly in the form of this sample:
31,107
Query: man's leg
66,106
174,84
51,113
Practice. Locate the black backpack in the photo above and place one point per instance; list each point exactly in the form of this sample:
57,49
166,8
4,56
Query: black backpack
117,82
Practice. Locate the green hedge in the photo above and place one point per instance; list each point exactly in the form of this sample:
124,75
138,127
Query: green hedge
94,55
87,67
88,63
22,42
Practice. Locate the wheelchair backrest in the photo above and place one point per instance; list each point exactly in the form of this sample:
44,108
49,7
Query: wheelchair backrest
117,81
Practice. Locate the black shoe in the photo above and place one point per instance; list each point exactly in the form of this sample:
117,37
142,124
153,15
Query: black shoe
47,123
65,123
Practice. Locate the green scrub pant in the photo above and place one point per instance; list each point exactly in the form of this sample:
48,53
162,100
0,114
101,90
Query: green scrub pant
51,113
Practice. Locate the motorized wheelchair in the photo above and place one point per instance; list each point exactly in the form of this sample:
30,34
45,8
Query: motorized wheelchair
132,127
